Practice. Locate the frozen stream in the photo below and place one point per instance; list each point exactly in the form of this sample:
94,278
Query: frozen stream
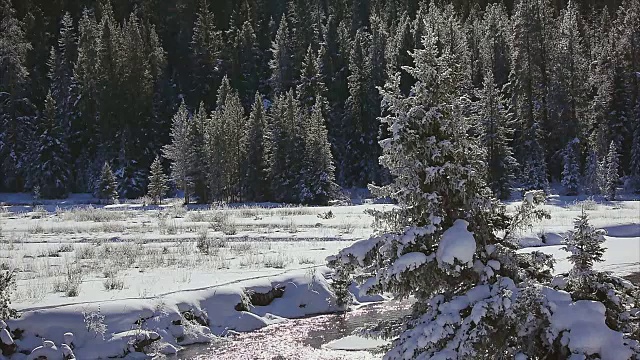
304,338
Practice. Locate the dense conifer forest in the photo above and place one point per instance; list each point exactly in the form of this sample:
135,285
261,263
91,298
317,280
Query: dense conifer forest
259,100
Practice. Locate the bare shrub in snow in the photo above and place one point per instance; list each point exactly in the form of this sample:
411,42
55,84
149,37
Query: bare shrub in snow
94,322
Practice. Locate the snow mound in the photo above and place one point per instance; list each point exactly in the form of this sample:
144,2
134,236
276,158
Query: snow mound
582,327
457,243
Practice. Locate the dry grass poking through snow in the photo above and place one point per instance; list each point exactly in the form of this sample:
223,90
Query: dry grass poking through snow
87,253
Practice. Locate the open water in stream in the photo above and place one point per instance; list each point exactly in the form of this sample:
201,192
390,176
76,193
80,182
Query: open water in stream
300,339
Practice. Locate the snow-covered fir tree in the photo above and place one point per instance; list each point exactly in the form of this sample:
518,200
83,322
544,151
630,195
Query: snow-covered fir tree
317,184
50,168
634,180
584,243
256,176
476,298
16,109
179,150
496,136
282,63
224,148
206,44
197,159
591,174
106,188
619,297
611,169
157,187
571,168
285,147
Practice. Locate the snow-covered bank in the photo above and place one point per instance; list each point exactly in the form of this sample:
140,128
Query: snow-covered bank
111,329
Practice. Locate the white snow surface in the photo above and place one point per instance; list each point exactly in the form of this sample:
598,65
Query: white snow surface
585,329
355,343
457,243
409,261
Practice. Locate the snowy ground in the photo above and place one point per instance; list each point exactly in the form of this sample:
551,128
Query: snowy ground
620,219
127,262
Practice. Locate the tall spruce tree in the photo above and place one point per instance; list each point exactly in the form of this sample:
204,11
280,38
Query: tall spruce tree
282,63
584,243
206,44
475,297
496,137
256,176
611,171
285,147
50,168
87,76
179,151
107,186
317,185
360,122
571,167
157,187
16,110
529,89
197,154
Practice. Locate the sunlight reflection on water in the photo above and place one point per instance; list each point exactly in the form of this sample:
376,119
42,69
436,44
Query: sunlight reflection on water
300,338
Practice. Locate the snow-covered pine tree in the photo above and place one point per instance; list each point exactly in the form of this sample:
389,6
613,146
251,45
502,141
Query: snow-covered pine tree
16,110
360,125
61,64
494,44
206,44
310,87
106,188
179,150
529,89
571,167
496,137
285,147
476,298
50,168
87,76
568,91
612,167
197,159
317,184
282,62
584,244
157,187
233,121
634,182
256,176
591,171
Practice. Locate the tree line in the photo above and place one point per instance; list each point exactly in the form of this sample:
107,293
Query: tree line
280,100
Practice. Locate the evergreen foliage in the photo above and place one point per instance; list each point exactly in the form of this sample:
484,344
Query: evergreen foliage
179,151
475,296
611,169
571,168
157,182
50,168
584,244
106,188
496,137
118,72
256,176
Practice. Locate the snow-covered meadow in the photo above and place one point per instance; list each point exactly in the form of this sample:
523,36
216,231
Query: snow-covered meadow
119,275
